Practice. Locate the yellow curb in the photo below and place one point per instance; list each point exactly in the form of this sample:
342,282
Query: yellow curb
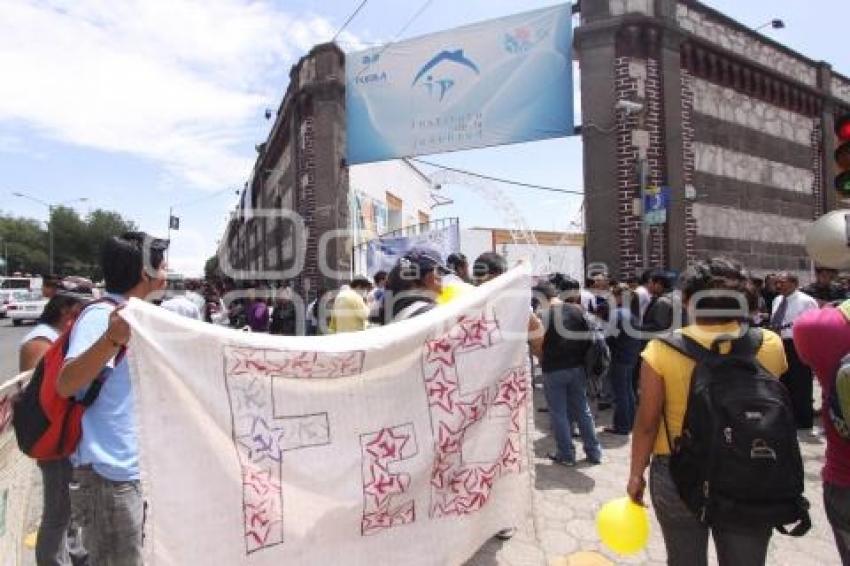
30,539
582,558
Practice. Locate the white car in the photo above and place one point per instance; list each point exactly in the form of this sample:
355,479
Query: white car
27,308
10,296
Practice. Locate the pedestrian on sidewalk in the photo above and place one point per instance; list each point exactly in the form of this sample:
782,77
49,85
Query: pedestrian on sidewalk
625,355
109,501
414,284
822,339
562,354
665,383
788,306
58,542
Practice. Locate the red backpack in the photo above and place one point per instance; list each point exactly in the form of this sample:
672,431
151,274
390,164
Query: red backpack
47,425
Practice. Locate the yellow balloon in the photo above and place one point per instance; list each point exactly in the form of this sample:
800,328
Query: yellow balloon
623,526
452,292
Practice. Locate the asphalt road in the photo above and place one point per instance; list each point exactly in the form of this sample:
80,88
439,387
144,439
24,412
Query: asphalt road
10,339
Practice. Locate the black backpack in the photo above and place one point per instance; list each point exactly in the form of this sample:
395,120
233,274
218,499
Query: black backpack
738,460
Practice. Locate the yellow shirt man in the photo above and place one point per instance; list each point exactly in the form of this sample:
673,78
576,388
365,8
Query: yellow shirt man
675,370
350,312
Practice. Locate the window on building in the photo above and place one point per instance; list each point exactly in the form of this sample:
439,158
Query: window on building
394,218
423,219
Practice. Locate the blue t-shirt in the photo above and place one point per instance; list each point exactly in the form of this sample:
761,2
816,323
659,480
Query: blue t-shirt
108,442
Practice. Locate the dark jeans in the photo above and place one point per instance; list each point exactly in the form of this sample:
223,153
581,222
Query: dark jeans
566,396
686,538
59,542
837,503
111,515
624,396
798,380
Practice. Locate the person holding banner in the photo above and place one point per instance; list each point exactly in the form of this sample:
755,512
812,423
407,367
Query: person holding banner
109,500
414,284
58,542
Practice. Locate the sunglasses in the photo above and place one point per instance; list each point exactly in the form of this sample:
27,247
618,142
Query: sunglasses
143,239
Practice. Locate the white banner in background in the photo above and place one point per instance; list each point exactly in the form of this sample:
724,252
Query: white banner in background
384,253
398,445
16,471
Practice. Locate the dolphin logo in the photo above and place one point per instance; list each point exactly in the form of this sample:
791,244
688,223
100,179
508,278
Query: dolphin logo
456,56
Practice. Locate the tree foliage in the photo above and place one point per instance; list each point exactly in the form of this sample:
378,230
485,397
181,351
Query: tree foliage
76,241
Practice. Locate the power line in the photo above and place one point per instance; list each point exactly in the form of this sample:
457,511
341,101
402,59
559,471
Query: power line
403,29
410,21
348,21
203,198
498,179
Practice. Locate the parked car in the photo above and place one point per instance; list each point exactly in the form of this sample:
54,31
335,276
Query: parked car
9,296
28,308
23,283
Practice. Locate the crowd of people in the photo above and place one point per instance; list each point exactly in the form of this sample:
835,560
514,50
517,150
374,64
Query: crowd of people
633,346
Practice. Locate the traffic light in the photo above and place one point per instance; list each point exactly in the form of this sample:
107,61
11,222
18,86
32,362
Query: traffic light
842,154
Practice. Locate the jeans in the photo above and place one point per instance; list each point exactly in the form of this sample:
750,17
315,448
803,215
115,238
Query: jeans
837,503
59,541
566,396
686,539
624,396
111,516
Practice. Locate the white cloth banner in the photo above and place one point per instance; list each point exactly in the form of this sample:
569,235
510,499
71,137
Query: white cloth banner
399,445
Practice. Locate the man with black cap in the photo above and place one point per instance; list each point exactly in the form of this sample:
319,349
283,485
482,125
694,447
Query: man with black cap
414,284
458,263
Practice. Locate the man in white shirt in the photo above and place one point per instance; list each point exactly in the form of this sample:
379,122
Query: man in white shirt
787,307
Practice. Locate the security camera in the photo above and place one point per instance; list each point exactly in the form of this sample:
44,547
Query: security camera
628,106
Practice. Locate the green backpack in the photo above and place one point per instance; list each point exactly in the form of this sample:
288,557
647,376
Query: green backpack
838,403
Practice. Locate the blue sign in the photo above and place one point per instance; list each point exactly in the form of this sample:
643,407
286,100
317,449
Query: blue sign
497,82
655,204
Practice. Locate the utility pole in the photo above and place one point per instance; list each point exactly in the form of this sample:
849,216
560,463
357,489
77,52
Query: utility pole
5,256
50,238
644,228
50,209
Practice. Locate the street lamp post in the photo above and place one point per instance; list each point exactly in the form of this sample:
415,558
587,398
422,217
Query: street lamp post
5,256
50,208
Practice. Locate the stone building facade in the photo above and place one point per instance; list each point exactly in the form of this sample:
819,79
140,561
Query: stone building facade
737,125
300,169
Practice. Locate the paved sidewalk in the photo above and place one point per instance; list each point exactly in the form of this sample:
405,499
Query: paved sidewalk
561,530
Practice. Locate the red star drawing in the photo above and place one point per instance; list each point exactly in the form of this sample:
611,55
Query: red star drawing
387,446
449,441
513,390
477,333
441,351
439,472
260,482
441,390
473,411
510,456
385,519
486,478
260,520
384,484
462,480
303,365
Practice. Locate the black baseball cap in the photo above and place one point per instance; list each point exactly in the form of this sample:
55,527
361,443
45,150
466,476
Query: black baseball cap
426,258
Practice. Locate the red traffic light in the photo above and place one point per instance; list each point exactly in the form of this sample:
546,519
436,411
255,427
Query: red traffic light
842,128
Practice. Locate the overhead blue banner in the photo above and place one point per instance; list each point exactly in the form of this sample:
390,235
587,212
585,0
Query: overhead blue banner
498,82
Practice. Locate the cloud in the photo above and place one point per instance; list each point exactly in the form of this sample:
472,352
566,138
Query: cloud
180,82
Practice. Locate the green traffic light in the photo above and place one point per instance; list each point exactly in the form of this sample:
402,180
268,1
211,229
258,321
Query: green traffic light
842,183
